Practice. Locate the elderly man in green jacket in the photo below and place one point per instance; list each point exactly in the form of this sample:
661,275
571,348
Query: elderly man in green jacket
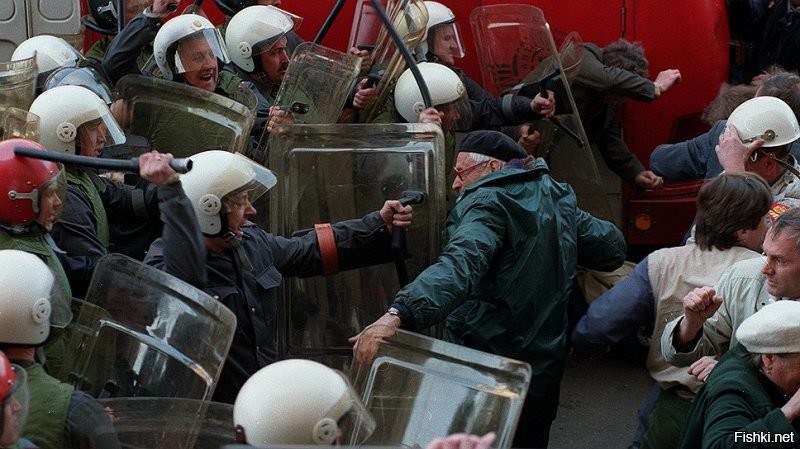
514,240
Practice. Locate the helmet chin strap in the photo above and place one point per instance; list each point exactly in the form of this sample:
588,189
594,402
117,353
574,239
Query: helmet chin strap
238,250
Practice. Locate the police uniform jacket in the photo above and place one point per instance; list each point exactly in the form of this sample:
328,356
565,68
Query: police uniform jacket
251,292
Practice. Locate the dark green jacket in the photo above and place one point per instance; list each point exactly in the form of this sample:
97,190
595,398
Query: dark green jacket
514,240
737,397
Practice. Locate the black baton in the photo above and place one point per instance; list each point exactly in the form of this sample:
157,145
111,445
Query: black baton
180,165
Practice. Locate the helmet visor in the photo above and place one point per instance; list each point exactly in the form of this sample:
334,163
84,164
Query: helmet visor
106,127
50,200
292,22
261,179
60,307
83,76
457,114
15,408
200,50
444,41
355,424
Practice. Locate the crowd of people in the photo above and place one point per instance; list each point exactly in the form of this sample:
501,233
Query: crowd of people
717,311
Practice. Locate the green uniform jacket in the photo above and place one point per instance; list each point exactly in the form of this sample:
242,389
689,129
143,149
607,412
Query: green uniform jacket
49,403
737,398
514,240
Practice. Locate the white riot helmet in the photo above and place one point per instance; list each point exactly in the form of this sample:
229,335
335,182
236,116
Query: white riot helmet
180,29
29,300
215,176
442,23
765,118
254,30
63,110
50,52
448,95
300,402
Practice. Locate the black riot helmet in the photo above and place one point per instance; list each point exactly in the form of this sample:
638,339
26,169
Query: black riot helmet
231,7
109,16
103,16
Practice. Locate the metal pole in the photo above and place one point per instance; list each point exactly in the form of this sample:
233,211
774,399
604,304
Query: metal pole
329,21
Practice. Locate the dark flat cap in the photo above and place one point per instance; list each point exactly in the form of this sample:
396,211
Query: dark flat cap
493,144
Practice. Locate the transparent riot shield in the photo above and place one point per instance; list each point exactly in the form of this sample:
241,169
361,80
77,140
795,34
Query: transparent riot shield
170,423
18,83
519,56
409,18
16,123
181,119
329,173
142,332
418,388
317,84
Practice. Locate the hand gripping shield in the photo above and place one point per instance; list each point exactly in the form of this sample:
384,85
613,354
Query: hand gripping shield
315,88
419,388
142,332
409,19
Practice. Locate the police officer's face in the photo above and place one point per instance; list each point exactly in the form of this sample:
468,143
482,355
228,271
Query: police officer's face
239,211
92,138
275,61
200,64
50,207
445,44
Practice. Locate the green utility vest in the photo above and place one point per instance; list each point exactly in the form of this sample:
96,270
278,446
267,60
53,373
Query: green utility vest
84,181
49,404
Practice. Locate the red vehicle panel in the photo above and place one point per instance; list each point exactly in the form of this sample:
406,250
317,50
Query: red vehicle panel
696,43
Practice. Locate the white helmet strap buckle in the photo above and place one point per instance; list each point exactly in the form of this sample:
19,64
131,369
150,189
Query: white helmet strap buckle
325,431
66,132
210,204
768,136
245,50
40,310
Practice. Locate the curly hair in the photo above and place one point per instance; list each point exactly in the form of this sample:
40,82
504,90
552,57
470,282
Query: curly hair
784,85
626,55
728,99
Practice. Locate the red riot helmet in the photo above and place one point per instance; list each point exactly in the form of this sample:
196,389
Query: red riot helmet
14,398
8,378
22,180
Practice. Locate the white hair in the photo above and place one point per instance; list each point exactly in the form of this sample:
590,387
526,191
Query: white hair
478,158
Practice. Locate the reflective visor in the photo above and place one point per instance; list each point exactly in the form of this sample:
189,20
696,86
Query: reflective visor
200,50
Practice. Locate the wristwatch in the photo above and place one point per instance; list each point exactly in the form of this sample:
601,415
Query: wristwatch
394,312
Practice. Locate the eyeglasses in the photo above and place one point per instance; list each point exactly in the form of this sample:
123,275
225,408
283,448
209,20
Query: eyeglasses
464,171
